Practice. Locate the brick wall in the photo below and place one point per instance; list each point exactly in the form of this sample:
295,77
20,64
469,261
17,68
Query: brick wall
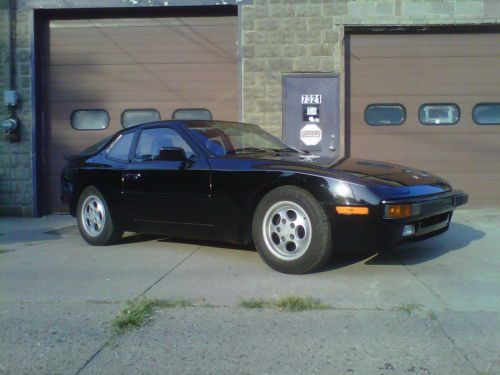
292,36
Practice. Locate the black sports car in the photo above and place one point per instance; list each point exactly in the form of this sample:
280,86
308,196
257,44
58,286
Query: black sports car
234,182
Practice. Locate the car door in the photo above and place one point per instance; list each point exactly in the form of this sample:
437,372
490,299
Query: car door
168,197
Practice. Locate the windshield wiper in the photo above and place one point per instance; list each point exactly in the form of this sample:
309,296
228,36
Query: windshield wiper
250,150
262,149
285,149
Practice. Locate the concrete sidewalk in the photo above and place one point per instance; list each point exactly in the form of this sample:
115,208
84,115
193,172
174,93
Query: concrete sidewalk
58,294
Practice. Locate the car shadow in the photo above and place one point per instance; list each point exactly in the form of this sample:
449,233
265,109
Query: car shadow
131,238
33,235
458,237
207,243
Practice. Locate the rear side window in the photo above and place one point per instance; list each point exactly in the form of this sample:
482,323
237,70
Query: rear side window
439,114
132,117
385,114
120,148
90,119
486,114
153,140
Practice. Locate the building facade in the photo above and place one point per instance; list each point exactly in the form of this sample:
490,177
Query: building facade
415,82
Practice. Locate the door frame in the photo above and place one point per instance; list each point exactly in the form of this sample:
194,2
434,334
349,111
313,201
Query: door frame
40,78
340,90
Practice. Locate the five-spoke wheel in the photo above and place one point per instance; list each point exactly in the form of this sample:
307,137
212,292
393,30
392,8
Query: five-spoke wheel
93,215
94,219
287,229
282,229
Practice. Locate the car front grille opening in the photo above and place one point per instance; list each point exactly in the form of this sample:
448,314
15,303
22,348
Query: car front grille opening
433,220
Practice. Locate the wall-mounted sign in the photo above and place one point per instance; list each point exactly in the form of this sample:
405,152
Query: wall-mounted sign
310,113
311,99
311,134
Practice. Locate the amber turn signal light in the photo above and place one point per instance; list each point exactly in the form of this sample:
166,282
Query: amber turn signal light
349,210
397,211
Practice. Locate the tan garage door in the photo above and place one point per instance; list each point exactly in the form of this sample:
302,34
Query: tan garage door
462,69
116,65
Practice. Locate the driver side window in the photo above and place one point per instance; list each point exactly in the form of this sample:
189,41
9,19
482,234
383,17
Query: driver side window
152,141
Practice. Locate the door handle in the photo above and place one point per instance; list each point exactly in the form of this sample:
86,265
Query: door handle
132,176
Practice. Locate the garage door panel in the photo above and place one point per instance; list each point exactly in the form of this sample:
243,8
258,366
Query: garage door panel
121,64
139,58
411,127
490,88
416,144
156,86
414,69
416,40
424,51
423,64
179,47
120,71
430,78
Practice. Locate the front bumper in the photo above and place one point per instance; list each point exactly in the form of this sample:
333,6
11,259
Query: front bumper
374,232
434,216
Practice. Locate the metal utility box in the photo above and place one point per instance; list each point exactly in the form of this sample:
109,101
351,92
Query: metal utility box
311,113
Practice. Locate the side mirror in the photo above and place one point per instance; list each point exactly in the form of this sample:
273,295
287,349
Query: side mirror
172,154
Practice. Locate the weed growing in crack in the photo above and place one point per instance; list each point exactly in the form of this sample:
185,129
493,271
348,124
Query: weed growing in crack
288,303
139,311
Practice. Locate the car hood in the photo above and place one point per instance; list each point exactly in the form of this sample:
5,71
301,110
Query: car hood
367,172
388,173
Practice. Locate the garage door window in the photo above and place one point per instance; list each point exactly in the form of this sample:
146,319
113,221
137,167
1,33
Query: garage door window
439,114
385,114
192,114
486,114
90,119
132,117
120,148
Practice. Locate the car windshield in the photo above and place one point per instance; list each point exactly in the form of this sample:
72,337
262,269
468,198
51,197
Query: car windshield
227,138
95,147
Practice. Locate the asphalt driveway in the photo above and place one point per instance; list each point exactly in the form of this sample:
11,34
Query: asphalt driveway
427,308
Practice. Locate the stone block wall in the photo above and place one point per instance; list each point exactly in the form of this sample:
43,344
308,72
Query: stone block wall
302,36
16,193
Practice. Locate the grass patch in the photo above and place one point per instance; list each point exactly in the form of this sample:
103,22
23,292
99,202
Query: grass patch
432,315
139,311
410,308
295,303
289,303
254,303
3,251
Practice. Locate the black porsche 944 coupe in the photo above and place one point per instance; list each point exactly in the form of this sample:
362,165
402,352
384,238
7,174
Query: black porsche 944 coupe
234,182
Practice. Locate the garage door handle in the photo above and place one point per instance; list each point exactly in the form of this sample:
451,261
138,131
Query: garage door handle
132,176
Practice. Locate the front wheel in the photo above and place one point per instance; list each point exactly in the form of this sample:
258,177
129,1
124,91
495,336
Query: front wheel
291,231
94,219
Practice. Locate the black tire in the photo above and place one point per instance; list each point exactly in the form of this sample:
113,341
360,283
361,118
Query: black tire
295,251
105,233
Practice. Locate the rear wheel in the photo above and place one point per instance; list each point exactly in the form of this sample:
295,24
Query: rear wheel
291,231
94,219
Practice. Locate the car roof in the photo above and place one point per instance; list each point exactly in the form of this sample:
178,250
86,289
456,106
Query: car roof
179,123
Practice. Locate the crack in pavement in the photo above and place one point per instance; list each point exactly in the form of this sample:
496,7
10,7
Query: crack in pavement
426,286
446,306
96,353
